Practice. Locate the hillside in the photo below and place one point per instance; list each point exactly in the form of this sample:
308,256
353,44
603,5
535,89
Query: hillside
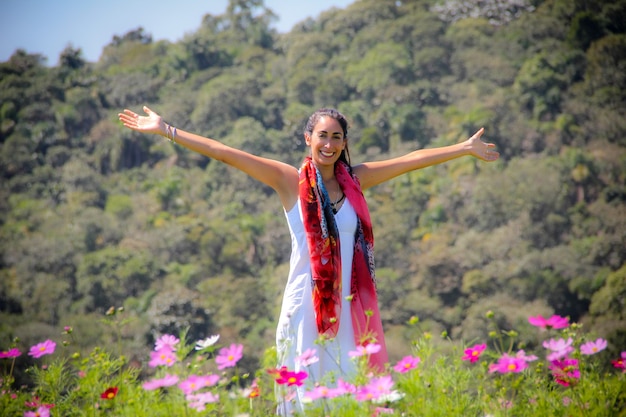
95,216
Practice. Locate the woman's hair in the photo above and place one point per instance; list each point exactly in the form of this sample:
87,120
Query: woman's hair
335,114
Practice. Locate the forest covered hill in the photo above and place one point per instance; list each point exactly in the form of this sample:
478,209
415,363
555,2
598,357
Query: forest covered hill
95,216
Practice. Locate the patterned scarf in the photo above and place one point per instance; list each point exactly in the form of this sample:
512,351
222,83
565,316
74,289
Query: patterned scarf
325,253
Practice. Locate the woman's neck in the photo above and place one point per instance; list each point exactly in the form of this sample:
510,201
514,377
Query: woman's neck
327,173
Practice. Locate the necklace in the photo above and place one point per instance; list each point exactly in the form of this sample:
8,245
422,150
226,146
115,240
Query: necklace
336,203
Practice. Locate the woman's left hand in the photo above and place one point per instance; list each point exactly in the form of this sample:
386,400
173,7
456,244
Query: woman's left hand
480,149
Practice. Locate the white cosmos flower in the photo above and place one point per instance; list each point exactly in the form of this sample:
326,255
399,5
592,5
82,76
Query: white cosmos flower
208,342
392,396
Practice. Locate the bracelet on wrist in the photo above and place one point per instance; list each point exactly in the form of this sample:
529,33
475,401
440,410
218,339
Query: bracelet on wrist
170,133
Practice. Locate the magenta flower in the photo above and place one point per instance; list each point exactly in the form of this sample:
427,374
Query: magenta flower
365,350
560,348
289,378
554,322
163,357
307,358
167,381
39,412
166,341
11,353
228,357
591,348
565,372
507,364
43,348
473,354
407,363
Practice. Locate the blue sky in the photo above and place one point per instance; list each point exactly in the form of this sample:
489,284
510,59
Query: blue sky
48,26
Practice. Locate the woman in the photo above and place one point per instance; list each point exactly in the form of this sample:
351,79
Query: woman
329,304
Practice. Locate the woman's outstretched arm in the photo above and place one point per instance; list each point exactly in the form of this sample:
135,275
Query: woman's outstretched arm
374,173
283,178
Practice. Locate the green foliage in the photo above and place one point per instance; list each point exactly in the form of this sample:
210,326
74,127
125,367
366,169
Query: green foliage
436,377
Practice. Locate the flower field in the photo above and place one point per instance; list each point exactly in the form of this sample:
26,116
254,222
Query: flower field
570,374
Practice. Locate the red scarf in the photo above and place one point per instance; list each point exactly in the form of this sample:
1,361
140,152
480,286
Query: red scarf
325,253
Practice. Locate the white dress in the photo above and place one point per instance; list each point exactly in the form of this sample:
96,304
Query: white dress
297,330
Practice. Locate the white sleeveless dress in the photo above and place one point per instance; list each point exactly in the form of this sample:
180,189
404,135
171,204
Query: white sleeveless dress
297,330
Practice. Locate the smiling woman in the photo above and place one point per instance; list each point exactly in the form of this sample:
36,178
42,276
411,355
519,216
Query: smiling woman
330,305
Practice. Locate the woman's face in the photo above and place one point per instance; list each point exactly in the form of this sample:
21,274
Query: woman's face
326,141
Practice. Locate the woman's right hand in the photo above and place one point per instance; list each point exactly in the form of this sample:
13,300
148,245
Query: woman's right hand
152,123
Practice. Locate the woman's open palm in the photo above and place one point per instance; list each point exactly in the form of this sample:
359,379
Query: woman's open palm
480,149
152,123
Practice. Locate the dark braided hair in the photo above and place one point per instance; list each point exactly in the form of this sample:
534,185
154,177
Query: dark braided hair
343,122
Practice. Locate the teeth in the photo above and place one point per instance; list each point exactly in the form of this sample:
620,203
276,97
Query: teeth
328,154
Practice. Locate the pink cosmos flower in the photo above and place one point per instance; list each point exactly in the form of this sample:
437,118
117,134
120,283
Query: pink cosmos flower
473,354
382,385
228,357
554,322
508,364
560,348
382,410
289,378
321,392
43,348
307,358
11,353
565,372
407,363
591,348
195,382
375,388
365,393
344,387
167,381
39,412
166,341
365,350
522,355
162,357
199,401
